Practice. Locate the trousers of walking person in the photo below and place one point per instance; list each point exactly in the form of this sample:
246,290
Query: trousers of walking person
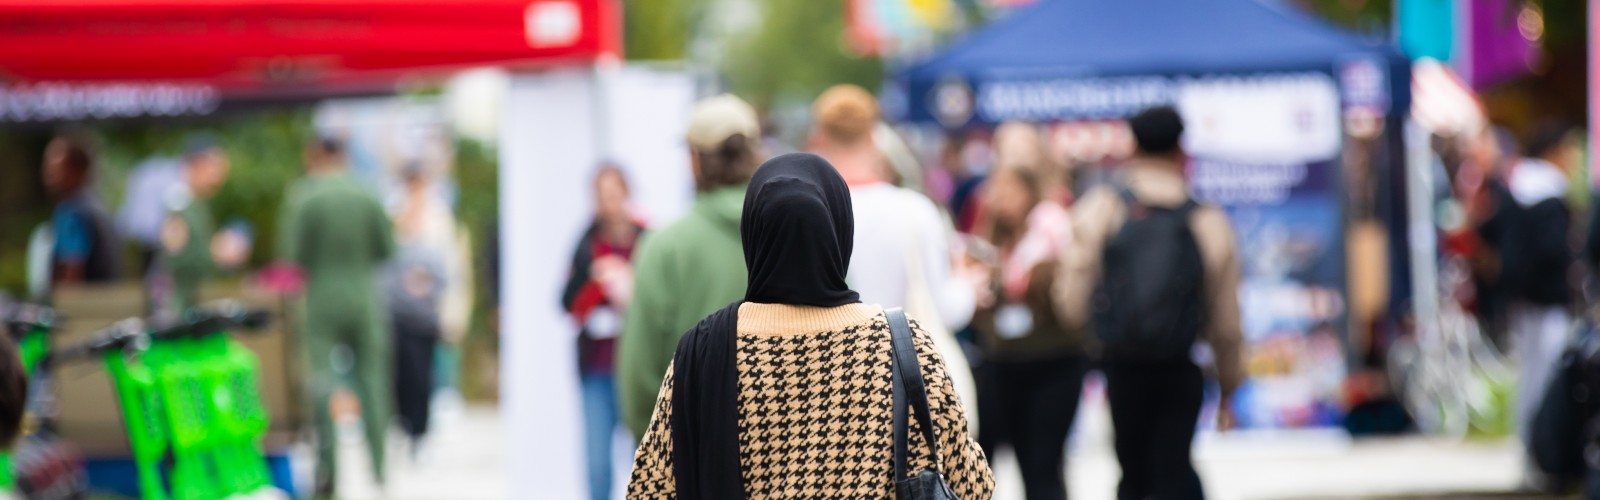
1031,407
1155,408
415,282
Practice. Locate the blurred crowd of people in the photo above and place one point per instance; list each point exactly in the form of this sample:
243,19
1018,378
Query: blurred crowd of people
375,276
1016,265
1518,255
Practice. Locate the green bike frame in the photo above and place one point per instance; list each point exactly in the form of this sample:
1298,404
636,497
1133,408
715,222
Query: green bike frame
199,399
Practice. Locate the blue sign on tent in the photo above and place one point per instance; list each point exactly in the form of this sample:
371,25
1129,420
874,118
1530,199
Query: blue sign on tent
1076,59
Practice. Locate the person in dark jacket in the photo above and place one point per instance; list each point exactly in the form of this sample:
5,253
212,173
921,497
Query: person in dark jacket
1536,257
1488,155
597,291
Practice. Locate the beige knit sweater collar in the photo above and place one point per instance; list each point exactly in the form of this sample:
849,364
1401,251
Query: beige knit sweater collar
783,319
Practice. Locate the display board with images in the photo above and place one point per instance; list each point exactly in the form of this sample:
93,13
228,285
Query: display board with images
1265,149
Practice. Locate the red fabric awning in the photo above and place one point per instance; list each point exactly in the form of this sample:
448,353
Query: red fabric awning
244,47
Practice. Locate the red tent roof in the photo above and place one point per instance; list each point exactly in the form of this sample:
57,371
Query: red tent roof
244,47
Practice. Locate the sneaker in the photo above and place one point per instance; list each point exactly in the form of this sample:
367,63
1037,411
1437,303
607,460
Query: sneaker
421,453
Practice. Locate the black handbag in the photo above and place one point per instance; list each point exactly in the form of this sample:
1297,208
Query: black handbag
907,376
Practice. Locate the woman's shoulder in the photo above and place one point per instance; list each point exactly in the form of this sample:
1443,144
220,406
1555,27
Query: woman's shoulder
919,333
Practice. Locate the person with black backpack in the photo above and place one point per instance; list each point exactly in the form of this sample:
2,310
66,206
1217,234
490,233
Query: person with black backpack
1154,272
86,245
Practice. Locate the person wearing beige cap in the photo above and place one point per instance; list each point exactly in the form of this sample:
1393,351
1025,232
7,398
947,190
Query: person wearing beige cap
695,265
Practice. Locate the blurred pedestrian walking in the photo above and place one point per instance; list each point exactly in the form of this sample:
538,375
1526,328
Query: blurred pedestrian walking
1481,179
340,236
597,292
144,207
86,246
1031,375
186,235
904,258
690,267
416,281
1165,273
787,393
1536,256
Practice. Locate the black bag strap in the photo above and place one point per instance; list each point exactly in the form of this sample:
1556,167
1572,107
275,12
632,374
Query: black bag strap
1132,209
1130,201
1126,193
908,385
1188,207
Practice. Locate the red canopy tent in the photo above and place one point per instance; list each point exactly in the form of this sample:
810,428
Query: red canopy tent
263,48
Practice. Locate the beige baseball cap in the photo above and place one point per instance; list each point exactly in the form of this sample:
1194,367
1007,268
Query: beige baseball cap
715,119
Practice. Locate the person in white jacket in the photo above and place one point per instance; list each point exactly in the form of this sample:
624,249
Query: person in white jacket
902,255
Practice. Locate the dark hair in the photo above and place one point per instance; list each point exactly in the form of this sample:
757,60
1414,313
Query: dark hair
77,153
610,168
730,164
1546,137
413,170
328,144
13,393
200,143
1157,130
999,233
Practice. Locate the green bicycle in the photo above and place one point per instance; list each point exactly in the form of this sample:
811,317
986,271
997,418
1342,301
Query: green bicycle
190,398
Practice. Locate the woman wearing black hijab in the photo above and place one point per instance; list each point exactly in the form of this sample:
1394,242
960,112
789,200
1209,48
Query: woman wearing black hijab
787,393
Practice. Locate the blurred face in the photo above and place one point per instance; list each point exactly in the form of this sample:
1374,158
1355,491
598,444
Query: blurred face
1569,155
611,198
207,172
1484,150
1009,198
60,178
316,159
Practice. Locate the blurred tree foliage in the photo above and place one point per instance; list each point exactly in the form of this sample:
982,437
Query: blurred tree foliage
795,52
264,151
1368,17
22,208
477,171
659,29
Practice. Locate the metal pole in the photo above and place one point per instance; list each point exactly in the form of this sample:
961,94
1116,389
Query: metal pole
1423,237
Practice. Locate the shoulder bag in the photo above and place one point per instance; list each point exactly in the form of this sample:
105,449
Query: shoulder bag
908,387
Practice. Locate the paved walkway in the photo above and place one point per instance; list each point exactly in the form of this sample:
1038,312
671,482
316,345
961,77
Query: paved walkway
1294,464
467,462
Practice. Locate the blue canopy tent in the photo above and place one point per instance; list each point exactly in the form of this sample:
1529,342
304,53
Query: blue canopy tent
1091,60
1058,43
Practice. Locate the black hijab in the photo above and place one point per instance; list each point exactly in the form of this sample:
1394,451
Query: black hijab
798,229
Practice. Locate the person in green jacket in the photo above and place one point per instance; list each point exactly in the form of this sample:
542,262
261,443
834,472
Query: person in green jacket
339,236
695,265
186,236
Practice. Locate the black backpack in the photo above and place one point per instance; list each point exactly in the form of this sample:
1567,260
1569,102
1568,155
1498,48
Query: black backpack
1566,423
1149,304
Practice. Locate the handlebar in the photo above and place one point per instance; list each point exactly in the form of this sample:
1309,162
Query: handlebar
120,335
214,318
133,334
22,317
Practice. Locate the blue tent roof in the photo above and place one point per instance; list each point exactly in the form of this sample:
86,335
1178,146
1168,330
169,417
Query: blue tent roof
1087,39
